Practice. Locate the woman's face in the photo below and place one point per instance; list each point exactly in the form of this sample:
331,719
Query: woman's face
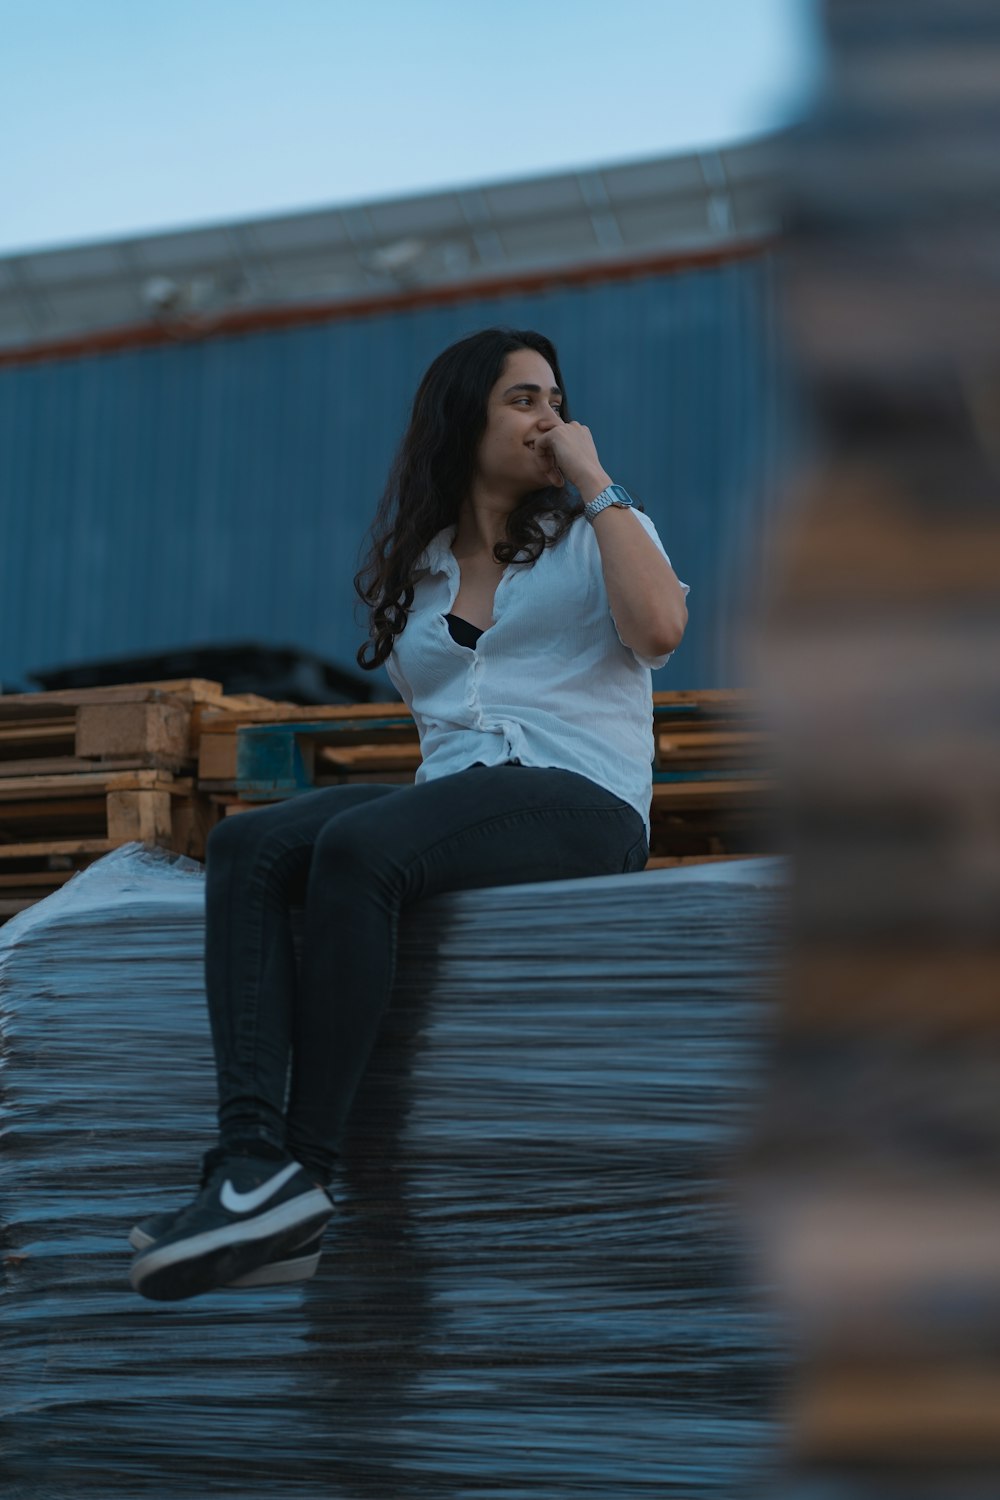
524,403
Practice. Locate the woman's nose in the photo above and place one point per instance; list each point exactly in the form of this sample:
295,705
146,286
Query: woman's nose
549,419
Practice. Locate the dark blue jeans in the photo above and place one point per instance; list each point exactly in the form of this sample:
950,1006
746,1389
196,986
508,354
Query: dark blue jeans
292,1042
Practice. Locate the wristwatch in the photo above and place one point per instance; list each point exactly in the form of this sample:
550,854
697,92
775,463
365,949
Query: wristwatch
612,494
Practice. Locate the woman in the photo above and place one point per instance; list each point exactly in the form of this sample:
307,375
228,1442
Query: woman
520,629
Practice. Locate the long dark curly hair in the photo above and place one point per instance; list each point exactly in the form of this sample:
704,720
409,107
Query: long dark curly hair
432,473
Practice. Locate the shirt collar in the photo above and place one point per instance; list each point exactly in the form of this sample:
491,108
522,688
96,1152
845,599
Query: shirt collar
438,550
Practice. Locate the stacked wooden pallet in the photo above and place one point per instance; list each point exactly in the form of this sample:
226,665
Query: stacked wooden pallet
84,770
714,785
713,788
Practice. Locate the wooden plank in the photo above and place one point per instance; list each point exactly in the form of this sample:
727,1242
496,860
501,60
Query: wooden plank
193,689
224,721
42,848
72,784
37,733
346,732
369,757
16,880
676,776
149,780
683,738
734,697
48,807
61,765
725,764
713,794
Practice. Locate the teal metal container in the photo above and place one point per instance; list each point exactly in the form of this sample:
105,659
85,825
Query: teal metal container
219,489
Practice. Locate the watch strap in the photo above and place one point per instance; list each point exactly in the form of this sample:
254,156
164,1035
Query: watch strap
612,494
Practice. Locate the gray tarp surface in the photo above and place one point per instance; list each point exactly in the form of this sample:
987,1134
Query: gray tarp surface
534,1285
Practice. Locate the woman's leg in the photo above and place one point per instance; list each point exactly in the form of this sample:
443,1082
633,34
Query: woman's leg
257,865
258,1214
366,849
488,826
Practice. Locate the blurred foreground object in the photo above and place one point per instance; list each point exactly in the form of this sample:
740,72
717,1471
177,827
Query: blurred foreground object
876,1163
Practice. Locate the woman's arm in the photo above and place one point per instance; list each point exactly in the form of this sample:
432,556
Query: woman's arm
644,592
645,595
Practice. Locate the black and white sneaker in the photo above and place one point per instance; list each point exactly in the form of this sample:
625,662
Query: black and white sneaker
250,1212
298,1263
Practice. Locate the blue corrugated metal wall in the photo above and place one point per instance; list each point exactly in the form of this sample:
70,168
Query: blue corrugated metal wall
219,490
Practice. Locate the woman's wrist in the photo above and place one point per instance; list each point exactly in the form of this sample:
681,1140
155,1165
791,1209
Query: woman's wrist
592,484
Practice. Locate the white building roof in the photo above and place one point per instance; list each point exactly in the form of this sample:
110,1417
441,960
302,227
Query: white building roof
631,210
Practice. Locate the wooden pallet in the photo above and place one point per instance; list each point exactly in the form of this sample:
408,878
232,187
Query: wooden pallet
713,796
279,751
53,826
84,770
90,811
356,734
129,727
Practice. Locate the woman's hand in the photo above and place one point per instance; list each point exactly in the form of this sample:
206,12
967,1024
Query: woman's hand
570,448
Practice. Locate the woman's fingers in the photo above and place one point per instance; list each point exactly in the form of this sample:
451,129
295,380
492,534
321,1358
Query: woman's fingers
571,449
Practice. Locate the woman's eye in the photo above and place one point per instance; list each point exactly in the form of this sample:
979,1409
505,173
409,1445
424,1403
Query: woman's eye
526,401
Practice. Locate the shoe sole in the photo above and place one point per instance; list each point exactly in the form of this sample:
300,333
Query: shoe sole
218,1257
275,1273
279,1272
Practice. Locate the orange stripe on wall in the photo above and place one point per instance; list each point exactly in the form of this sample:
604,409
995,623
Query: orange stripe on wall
261,319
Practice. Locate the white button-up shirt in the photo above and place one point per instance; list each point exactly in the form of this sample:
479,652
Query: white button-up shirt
550,683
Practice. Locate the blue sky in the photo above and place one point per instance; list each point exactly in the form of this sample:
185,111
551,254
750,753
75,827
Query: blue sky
127,116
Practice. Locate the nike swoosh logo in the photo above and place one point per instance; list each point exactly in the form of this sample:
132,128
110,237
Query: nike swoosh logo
244,1203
